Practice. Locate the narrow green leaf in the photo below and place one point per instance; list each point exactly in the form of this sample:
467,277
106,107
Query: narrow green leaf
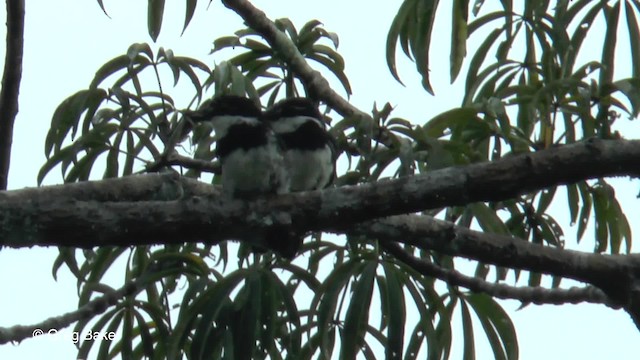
325,299
572,200
443,329
469,351
488,219
111,67
634,40
609,46
117,322
85,347
425,13
585,211
356,319
458,37
154,18
112,163
476,62
600,207
546,197
189,11
396,312
403,15
497,325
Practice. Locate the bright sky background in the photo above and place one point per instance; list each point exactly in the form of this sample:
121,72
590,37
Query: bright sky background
67,41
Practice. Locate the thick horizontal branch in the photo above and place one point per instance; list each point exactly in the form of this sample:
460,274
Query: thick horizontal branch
156,186
166,209
149,210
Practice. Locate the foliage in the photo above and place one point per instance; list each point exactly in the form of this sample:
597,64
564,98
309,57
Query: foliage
536,93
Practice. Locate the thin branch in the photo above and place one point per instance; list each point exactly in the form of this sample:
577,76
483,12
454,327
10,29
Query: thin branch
526,294
312,79
10,84
611,273
185,162
89,310
317,86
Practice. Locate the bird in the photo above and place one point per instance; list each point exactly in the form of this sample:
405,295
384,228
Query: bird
252,160
251,157
309,150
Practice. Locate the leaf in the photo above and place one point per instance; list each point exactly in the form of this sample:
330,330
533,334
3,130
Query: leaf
585,211
634,40
325,299
631,89
609,46
111,67
475,63
396,312
443,329
189,11
469,351
451,119
154,18
356,319
458,37
488,219
394,32
496,324
85,347
421,43
600,207
67,115
572,200
104,10
66,256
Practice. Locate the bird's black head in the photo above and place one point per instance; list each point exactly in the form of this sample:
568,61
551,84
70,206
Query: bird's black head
225,105
293,107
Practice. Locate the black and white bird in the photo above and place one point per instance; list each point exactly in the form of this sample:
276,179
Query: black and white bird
250,154
309,150
251,157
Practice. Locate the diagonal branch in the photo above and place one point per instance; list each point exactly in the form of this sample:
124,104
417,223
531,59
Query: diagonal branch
317,86
89,310
526,294
444,237
312,79
10,84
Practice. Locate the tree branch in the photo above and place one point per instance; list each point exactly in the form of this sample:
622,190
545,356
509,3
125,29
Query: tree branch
125,213
526,294
185,162
88,311
139,211
10,84
312,79
617,275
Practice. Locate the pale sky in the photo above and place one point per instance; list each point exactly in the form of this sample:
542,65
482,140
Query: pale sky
67,41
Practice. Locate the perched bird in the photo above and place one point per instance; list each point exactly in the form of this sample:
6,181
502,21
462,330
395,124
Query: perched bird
251,159
249,153
309,150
